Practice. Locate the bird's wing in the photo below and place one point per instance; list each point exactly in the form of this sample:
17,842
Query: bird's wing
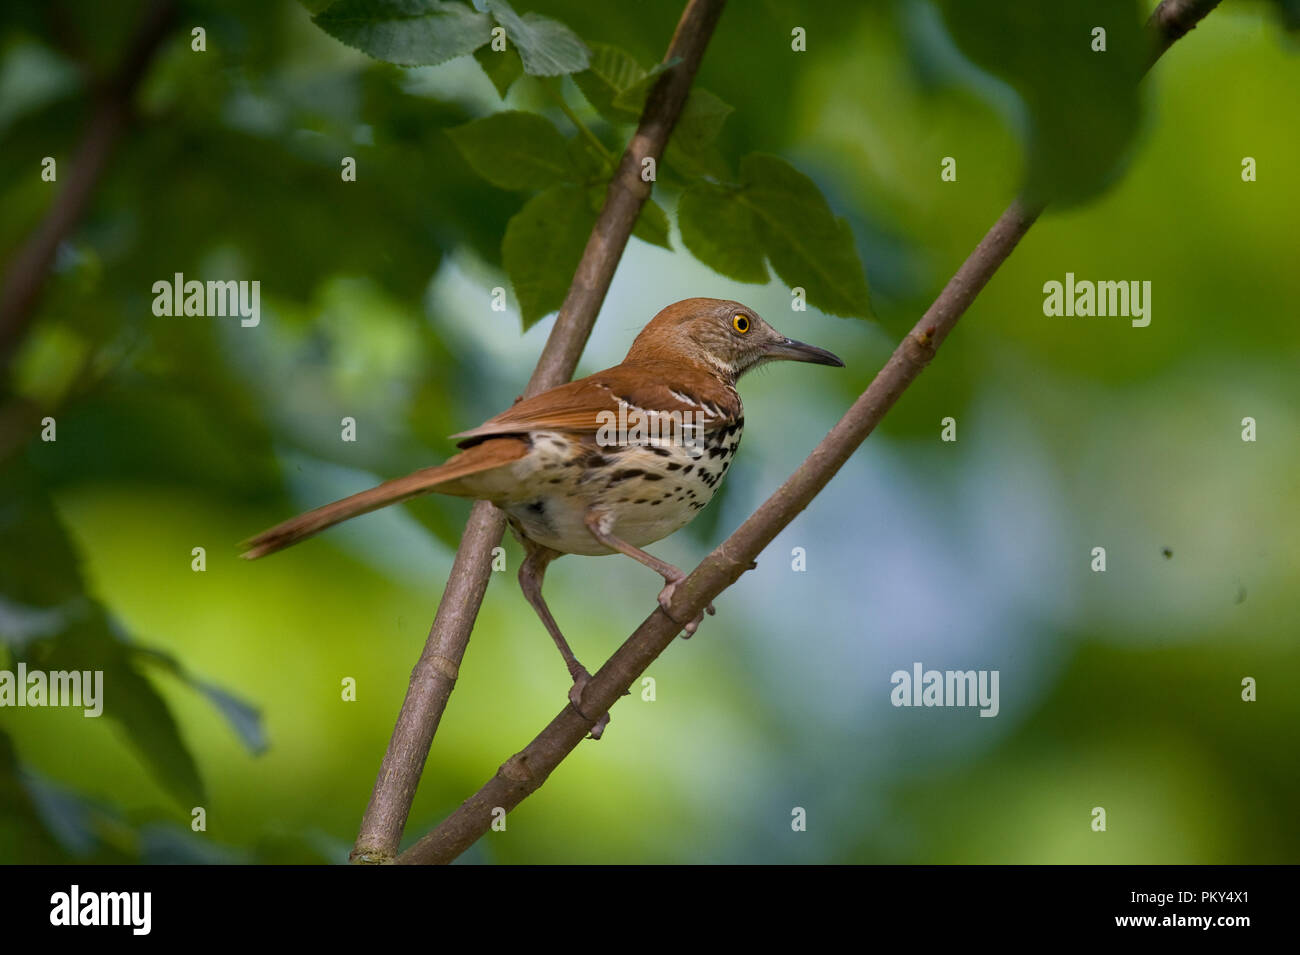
585,406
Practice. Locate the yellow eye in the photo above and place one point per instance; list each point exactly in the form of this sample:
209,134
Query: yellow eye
740,323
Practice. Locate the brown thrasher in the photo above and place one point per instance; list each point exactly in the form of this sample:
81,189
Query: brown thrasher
604,464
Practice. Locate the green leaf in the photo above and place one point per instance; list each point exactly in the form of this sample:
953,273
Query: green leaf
88,639
406,32
1288,13
128,698
1084,107
29,831
542,247
244,718
66,815
591,166
693,149
722,232
632,99
806,244
516,150
547,47
612,70
652,225
702,117
502,67
616,85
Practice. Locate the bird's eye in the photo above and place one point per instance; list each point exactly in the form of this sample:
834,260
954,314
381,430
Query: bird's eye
740,323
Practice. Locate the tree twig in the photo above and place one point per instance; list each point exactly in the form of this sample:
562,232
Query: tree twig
528,769
1171,21
434,675
29,267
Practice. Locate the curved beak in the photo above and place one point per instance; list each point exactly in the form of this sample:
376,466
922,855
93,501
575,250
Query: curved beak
790,350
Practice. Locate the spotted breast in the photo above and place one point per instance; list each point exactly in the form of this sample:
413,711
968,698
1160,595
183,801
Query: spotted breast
647,486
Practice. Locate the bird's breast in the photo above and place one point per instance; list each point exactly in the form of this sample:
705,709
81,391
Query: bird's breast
650,487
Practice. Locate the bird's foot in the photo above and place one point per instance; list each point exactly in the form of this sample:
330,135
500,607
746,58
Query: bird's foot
580,680
666,598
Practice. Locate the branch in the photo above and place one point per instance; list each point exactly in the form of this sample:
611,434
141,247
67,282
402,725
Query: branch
527,770
1173,20
29,267
435,673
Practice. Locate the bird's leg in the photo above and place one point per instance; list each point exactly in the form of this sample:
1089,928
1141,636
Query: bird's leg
597,524
531,573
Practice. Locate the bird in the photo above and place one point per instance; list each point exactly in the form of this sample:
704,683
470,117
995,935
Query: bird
605,464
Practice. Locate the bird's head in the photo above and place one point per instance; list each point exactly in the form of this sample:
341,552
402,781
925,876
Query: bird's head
723,336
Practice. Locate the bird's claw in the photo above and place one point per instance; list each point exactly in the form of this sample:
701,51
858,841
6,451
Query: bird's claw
666,598
580,680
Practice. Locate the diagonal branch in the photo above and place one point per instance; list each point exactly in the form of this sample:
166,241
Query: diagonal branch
25,275
434,675
527,770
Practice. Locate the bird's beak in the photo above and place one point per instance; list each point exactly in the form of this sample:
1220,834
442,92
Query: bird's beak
790,350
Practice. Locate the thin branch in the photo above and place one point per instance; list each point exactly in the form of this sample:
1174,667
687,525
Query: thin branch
557,93
527,770
29,267
1173,20
435,673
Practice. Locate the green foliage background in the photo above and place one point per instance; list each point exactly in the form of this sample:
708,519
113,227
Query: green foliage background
1119,690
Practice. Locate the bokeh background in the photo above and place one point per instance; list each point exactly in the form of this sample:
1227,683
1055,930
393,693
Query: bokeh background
1119,689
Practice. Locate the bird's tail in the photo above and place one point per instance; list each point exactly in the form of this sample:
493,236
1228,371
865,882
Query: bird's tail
446,478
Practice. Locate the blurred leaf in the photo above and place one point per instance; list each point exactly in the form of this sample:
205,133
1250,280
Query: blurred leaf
93,33
244,718
39,572
170,844
692,149
547,47
1083,105
31,77
128,697
652,225
516,150
542,247
25,832
308,848
806,244
295,237
1289,13
117,430
406,32
52,577
414,196
721,232
65,814
502,67
20,625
